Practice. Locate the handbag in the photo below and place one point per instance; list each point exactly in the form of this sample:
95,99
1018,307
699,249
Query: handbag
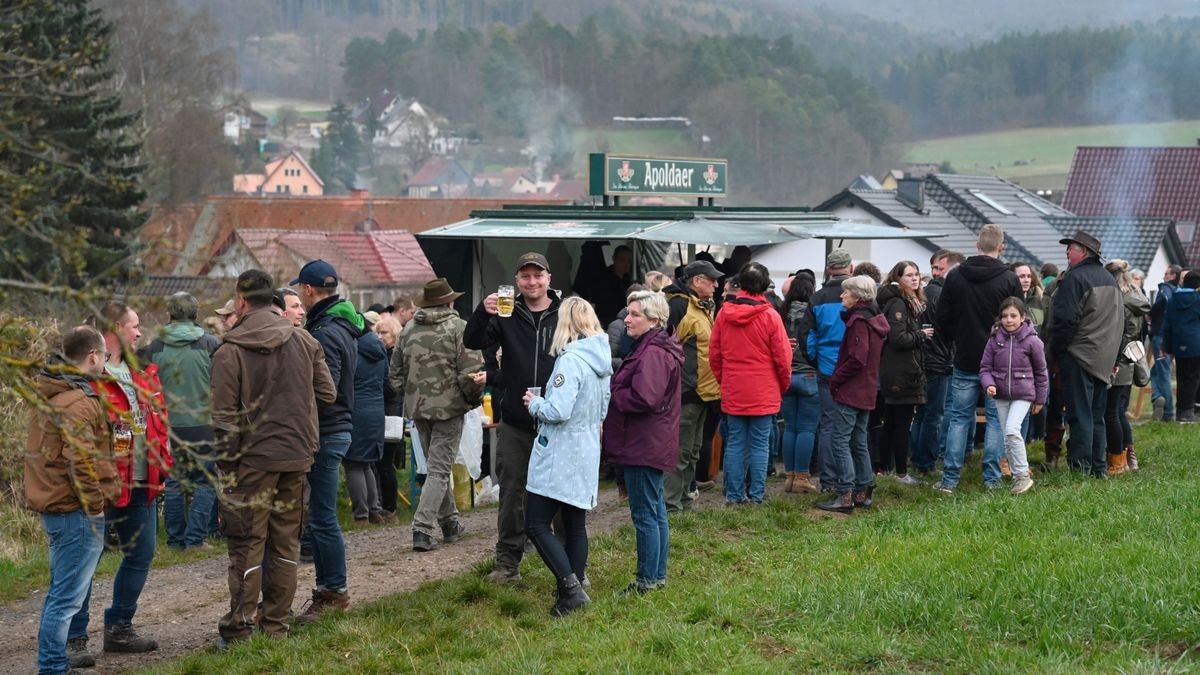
1141,374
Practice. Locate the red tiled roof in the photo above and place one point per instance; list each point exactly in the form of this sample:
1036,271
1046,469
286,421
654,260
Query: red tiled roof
183,240
1141,182
361,258
430,172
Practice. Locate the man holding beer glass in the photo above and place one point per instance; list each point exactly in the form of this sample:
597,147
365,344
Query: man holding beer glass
523,326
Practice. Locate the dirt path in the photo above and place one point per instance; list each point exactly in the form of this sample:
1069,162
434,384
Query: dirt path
180,605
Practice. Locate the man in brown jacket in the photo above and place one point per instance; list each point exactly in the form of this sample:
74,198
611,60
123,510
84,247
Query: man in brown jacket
70,478
267,380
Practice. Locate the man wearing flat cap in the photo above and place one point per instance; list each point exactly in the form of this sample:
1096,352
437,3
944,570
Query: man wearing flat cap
690,299
1087,322
442,380
824,341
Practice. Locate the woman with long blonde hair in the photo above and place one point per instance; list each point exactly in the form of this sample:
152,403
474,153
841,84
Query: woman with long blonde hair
564,466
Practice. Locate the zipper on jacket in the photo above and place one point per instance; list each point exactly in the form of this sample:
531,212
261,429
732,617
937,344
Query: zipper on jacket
1010,357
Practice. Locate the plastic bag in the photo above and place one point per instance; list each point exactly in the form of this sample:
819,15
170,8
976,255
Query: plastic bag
470,445
393,428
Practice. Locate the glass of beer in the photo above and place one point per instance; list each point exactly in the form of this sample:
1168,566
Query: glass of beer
505,300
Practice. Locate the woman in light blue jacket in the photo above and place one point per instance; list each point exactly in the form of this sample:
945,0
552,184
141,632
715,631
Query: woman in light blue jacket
564,467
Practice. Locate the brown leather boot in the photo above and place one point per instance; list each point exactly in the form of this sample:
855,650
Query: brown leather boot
1131,458
1117,465
790,485
803,483
322,603
842,503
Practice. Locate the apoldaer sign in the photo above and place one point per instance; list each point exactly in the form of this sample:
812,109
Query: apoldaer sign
669,176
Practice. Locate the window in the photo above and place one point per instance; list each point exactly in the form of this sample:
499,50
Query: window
305,189
983,197
1036,204
279,188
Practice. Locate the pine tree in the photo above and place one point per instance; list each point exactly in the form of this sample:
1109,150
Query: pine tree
69,178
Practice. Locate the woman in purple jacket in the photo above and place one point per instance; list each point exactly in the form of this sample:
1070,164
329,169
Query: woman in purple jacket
641,432
1013,371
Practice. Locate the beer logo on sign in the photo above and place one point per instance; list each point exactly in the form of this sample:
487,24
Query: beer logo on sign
711,175
560,380
625,173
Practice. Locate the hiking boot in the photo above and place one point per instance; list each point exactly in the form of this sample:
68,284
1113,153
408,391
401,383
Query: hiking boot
306,554
504,575
705,485
842,502
571,597
121,637
199,548
1021,484
423,542
862,498
804,483
943,488
636,588
78,655
324,602
1116,464
375,518
1160,406
453,532
790,484
1131,458
1004,468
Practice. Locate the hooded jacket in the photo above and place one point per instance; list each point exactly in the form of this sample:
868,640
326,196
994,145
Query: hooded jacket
1181,324
902,362
969,304
855,382
938,354
526,360
1015,363
183,354
268,380
1137,306
433,367
1158,311
1087,318
692,324
69,462
158,444
565,461
336,325
370,380
749,352
826,327
642,427
795,324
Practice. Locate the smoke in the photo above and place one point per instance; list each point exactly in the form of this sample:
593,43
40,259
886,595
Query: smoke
549,124
1132,91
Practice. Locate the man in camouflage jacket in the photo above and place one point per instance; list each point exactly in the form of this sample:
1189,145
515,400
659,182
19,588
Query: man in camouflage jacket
442,380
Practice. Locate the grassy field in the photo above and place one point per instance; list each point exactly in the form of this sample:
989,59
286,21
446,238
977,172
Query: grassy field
1078,575
1042,157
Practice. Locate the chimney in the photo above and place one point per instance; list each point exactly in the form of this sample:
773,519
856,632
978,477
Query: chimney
911,192
358,193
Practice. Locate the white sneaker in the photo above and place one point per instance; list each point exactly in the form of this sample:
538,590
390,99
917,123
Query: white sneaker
908,479
1022,484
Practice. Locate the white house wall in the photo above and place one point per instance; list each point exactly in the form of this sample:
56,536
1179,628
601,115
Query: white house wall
1158,268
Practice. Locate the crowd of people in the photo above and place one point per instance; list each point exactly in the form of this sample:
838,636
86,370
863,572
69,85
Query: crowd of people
844,377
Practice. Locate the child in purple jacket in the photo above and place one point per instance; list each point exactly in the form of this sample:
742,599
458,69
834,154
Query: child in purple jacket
1013,371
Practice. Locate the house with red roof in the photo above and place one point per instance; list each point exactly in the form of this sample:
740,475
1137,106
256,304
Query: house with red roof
1139,182
287,175
440,178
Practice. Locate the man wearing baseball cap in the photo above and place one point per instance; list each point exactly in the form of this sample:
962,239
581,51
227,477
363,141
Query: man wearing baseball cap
336,326
525,339
824,342
1086,327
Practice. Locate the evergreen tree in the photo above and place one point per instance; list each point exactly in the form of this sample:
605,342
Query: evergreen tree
341,150
69,181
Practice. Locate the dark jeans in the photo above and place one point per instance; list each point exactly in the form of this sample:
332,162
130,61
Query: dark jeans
385,475
192,450
825,434
1056,426
849,448
1187,369
1118,433
928,432
1085,397
136,526
76,541
566,557
649,514
514,446
712,420
1160,377
893,442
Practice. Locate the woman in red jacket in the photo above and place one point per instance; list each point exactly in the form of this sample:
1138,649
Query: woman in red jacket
751,357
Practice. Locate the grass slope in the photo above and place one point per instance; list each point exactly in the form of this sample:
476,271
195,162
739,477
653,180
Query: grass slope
1077,575
1046,151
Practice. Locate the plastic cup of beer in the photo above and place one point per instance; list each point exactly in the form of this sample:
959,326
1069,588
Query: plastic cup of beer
536,391
505,300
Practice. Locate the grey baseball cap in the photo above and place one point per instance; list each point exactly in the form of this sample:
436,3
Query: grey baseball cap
837,258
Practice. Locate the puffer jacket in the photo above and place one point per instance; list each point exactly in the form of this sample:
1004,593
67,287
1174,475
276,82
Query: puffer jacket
158,444
565,461
183,354
826,327
433,367
693,330
370,380
1087,318
336,325
902,363
855,382
1137,306
1181,324
642,427
749,352
69,462
1015,363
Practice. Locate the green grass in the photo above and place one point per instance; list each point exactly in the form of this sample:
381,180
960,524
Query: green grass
1047,152
1077,575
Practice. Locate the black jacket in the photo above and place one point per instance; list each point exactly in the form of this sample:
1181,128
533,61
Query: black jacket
901,364
939,354
525,360
969,305
339,339
370,400
1088,318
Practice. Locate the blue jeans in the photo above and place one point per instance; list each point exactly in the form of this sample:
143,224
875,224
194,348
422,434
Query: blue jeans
76,541
849,448
928,432
1160,378
747,451
1086,397
960,409
825,433
189,527
136,525
801,412
329,549
648,511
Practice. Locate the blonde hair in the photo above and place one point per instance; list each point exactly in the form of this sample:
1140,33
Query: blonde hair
1120,271
653,304
576,320
656,281
862,286
991,237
